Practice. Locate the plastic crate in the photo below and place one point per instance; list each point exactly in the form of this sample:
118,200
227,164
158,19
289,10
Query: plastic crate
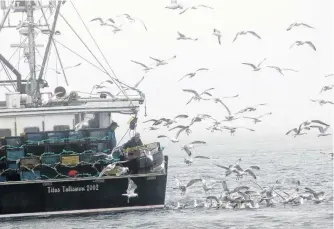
3,178
91,157
70,160
15,154
29,175
34,137
56,136
97,134
74,136
29,162
13,141
12,165
50,159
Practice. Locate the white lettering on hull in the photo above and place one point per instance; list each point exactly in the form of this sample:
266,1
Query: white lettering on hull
65,189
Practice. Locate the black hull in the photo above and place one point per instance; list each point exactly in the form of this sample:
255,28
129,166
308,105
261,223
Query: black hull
81,195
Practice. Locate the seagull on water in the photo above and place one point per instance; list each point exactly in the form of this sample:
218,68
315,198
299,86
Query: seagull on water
326,88
257,119
321,101
255,68
298,43
197,96
130,192
162,62
217,33
192,74
146,68
183,37
132,19
322,130
280,70
318,196
244,33
296,24
195,8
183,187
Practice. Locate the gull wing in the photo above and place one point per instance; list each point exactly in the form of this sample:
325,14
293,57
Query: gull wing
293,130
157,60
179,126
137,84
136,62
151,120
264,115
249,64
250,118
306,25
236,36
180,34
193,181
254,34
205,6
289,69
97,19
191,91
202,69
311,44
162,136
181,116
179,132
203,157
131,186
142,23
111,20
228,110
221,166
183,11
238,167
250,172
212,198
197,142
320,122
254,167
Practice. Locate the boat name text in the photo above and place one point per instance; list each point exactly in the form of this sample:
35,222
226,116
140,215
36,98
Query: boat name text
87,188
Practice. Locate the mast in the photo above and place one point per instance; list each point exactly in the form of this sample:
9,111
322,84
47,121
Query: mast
31,52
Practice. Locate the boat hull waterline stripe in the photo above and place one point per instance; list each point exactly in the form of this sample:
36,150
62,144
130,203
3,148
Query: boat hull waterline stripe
83,211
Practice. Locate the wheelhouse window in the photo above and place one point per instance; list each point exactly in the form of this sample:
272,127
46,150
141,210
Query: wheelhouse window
61,127
5,133
31,129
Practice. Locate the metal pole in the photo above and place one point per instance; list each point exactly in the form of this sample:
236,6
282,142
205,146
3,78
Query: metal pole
31,39
5,16
50,40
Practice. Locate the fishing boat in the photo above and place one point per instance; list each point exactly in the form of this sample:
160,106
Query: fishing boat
55,156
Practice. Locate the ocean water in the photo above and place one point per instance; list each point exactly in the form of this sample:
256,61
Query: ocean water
312,166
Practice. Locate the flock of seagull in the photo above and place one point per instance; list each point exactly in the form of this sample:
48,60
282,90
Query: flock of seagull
240,196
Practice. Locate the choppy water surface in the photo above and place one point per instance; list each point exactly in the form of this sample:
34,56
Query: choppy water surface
312,168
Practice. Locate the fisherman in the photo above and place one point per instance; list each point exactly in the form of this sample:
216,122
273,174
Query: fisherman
111,135
133,142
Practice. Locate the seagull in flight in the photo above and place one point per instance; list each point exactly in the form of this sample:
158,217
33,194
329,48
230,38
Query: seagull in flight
299,43
174,140
192,74
326,88
244,33
130,192
255,68
257,119
169,122
162,62
322,130
230,117
234,129
198,96
296,24
183,187
132,19
249,109
183,37
217,33
146,68
321,101
103,23
280,70
195,8
182,128
174,5
329,75
187,148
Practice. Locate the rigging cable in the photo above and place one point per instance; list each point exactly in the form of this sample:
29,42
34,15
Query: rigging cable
113,79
